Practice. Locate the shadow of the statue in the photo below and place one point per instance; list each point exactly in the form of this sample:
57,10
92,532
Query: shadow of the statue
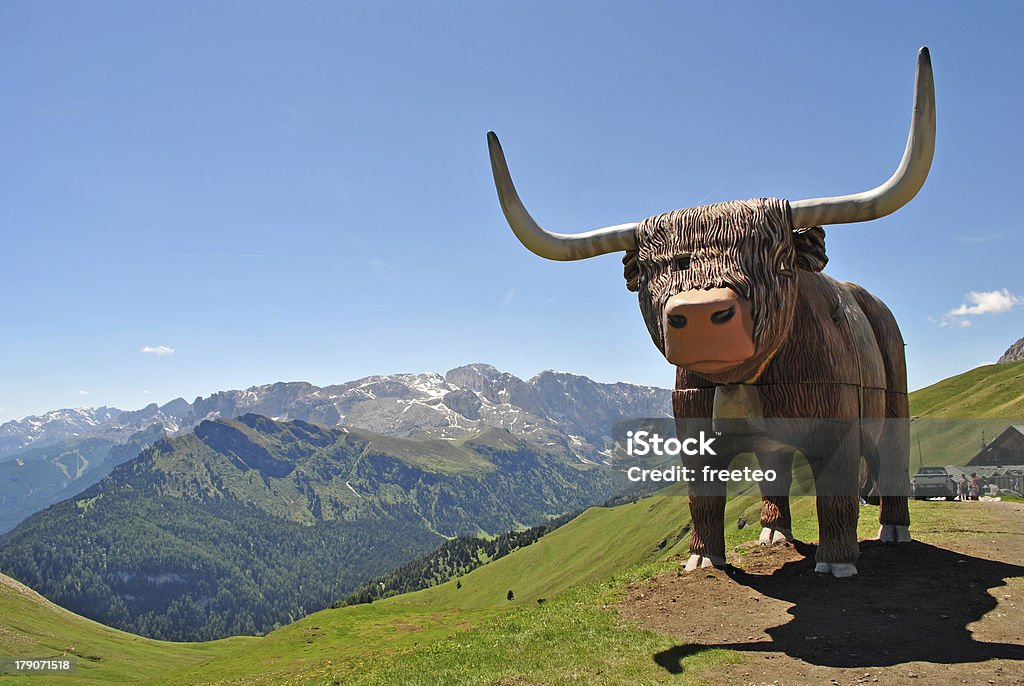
912,602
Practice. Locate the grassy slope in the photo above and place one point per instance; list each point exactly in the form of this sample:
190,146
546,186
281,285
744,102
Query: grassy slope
473,634
572,638
432,636
995,390
576,639
589,548
32,626
953,413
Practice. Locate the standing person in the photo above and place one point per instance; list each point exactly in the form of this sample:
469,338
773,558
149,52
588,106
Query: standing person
961,487
975,486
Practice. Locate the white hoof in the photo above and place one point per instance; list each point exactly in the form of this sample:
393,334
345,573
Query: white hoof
771,536
839,570
894,533
702,562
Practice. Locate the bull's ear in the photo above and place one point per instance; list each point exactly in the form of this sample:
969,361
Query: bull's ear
631,271
810,248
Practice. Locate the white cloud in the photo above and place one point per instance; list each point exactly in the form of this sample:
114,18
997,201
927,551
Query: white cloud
83,393
987,302
977,303
510,295
981,237
158,350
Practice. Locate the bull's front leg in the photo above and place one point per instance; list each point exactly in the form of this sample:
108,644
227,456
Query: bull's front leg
707,515
836,484
776,522
693,405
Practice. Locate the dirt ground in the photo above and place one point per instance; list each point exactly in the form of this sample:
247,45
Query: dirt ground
945,610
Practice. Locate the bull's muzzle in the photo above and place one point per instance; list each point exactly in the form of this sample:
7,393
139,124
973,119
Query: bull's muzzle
709,331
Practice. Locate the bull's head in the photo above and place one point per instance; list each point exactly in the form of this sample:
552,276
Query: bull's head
717,283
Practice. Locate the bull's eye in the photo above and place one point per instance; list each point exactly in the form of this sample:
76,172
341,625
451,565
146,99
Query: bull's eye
722,316
676,321
682,263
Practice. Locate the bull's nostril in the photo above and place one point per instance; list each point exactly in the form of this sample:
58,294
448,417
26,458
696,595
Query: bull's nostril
722,316
676,321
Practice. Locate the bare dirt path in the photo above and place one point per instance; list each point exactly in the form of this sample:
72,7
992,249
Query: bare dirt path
947,609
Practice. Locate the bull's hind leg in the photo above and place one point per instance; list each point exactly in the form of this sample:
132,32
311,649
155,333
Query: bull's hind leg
835,483
776,523
893,471
891,460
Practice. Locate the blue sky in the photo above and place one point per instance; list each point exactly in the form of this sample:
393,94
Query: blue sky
302,192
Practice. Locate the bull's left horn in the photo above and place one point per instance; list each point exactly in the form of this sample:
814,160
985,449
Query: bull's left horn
905,182
553,246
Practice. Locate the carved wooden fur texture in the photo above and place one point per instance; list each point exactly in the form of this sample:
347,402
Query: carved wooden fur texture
824,349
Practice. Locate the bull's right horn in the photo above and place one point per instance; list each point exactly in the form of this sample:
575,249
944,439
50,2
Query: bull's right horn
553,246
905,182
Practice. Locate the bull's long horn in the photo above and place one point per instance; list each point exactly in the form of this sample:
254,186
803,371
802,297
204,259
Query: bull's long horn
905,182
553,246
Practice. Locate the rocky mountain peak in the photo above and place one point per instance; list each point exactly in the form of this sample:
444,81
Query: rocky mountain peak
1015,353
552,408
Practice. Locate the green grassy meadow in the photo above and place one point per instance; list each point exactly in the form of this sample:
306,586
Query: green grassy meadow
953,415
440,635
31,626
992,391
445,634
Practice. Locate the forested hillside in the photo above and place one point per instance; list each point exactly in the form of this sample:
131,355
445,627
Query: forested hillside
451,559
247,524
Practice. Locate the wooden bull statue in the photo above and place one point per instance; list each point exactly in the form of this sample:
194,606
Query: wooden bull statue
734,297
